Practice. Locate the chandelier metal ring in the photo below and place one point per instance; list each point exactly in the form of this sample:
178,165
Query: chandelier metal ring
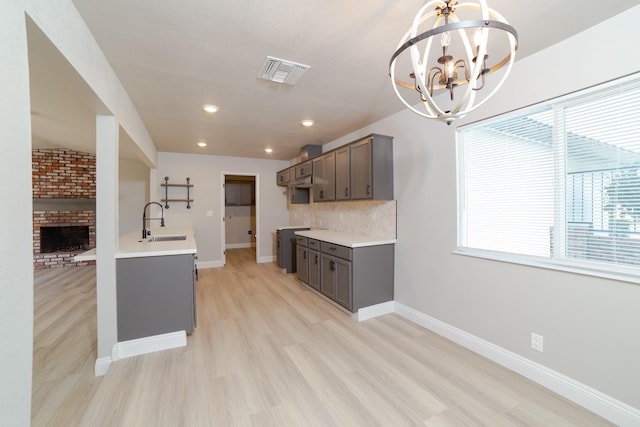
459,65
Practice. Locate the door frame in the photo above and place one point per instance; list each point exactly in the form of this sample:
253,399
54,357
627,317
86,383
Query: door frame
223,240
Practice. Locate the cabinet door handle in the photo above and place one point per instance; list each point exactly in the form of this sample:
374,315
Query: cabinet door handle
304,255
332,248
368,189
346,191
332,265
315,261
322,194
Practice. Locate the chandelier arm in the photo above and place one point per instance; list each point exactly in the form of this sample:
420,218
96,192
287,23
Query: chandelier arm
478,23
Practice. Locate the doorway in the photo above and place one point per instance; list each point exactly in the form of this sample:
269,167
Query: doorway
240,210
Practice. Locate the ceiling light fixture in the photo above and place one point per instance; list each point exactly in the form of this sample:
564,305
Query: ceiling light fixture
307,123
202,144
268,150
210,108
456,60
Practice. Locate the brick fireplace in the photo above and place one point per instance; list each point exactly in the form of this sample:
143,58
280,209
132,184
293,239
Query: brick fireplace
64,194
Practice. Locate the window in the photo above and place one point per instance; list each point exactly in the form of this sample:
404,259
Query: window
557,184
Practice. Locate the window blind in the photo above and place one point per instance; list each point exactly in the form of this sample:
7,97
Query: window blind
559,181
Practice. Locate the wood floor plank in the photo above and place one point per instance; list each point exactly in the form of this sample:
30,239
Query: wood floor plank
268,351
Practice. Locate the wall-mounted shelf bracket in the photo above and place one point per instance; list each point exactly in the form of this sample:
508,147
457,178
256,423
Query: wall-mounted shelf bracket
166,186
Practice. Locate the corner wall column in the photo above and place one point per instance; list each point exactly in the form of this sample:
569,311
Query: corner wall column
107,178
16,233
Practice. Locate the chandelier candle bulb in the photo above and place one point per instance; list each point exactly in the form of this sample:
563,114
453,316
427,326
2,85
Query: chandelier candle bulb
460,70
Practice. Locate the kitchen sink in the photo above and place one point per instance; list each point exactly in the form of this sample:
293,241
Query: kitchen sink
167,237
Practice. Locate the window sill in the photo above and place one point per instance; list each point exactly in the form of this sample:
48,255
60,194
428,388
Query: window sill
624,274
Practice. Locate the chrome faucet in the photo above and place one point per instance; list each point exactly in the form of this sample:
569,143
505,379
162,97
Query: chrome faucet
145,233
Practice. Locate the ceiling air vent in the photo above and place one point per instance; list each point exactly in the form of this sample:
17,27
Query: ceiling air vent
281,71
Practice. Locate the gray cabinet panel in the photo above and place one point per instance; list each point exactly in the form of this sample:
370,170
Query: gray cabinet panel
303,170
324,185
155,295
342,174
343,285
284,177
327,280
302,260
372,168
286,248
314,269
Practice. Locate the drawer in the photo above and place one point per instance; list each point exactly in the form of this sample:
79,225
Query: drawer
314,244
301,241
336,250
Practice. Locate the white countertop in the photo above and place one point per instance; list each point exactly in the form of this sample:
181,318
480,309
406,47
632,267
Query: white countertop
132,245
289,227
344,239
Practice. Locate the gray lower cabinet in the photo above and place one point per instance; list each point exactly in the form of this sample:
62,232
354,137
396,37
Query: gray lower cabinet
302,259
335,279
155,295
352,277
286,249
314,264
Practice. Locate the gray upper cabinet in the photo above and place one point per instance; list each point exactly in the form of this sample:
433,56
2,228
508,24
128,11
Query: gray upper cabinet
362,169
324,184
343,191
238,193
371,167
303,170
284,177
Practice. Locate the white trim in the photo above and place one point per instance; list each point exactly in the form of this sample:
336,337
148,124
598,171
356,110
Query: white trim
102,366
265,259
238,245
124,349
606,406
209,264
376,310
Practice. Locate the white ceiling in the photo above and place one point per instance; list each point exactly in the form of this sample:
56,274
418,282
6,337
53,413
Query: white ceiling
174,56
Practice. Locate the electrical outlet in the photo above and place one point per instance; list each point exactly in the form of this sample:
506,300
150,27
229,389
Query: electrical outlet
537,342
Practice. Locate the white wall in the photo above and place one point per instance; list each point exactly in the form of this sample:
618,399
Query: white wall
590,325
239,220
206,175
134,194
16,270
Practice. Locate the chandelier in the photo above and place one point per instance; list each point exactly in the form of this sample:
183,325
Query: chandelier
453,69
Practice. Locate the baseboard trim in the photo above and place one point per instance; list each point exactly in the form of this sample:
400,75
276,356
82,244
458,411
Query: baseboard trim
102,366
372,311
606,406
238,245
124,349
209,264
265,259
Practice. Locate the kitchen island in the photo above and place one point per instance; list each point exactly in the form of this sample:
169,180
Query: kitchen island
156,283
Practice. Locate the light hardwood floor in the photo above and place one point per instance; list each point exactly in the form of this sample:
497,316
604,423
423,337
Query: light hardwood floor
269,352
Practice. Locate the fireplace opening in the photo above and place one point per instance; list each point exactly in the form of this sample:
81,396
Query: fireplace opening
68,238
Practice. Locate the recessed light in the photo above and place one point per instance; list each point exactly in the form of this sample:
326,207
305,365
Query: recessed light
268,150
307,123
210,108
202,144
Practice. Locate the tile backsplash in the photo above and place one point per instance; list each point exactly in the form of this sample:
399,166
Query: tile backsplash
373,218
